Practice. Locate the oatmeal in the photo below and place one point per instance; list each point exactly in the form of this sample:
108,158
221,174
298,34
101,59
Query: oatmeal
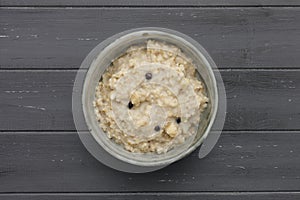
149,99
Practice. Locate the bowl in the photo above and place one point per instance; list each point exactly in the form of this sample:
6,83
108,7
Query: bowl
101,58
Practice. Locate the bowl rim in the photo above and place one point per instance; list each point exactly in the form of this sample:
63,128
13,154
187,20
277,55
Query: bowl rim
194,45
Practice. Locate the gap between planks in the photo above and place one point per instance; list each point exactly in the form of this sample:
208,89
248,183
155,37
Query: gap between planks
3,69
59,132
152,193
139,7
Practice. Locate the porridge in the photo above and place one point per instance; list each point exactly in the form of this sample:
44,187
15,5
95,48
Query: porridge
149,99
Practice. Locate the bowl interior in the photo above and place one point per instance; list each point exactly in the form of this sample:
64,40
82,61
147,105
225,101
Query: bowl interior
117,46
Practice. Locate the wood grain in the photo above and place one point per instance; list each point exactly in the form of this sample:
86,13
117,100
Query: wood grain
157,196
241,161
257,47
150,3
257,100
235,37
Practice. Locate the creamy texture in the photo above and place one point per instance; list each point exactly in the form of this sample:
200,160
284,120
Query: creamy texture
149,99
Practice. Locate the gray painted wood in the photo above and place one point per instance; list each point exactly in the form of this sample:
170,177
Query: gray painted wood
150,3
241,161
158,196
54,165
235,37
257,100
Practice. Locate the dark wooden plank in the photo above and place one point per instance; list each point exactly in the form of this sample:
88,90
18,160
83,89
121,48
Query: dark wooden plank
257,100
235,37
241,161
158,196
150,3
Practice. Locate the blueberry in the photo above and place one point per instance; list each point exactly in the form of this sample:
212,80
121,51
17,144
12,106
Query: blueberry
130,105
148,76
178,120
157,128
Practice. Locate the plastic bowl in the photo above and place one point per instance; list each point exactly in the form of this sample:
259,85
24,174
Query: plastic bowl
101,57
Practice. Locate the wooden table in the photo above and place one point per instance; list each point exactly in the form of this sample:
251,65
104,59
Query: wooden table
256,45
